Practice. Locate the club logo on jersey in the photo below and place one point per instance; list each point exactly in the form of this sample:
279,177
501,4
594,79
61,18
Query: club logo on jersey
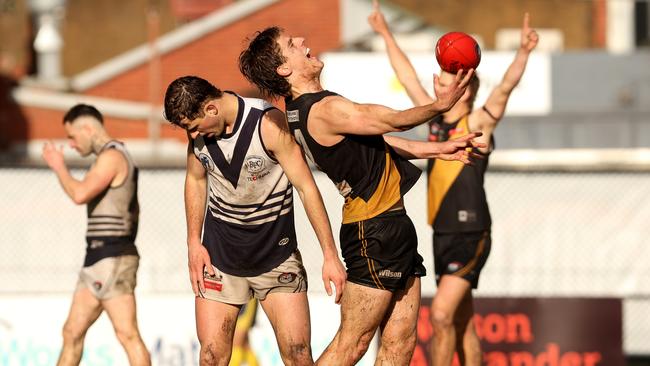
466,216
206,162
283,242
254,164
97,285
293,116
287,277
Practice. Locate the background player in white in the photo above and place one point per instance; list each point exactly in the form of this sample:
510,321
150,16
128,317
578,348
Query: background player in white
108,278
461,247
242,163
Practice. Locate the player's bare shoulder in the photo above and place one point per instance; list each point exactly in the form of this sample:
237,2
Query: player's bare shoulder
331,109
112,161
274,119
274,129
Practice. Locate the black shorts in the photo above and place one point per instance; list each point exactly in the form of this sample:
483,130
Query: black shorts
381,252
461,254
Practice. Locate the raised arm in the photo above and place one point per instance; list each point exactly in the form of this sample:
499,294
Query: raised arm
336,115
401,65
278,139
97,179
498,99
456,149
195,201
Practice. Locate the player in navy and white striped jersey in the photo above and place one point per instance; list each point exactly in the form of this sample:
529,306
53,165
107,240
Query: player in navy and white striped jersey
242,165
108,277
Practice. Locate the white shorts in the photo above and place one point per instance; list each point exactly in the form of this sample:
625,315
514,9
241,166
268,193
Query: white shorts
290,276
110,277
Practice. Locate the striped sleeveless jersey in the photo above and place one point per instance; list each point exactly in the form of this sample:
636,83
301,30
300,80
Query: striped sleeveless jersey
113,216
249,225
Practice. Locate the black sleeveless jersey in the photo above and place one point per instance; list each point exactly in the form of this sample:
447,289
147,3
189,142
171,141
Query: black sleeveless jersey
368,173
457,201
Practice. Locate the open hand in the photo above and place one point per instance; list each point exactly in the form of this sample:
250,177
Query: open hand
448,95
461,149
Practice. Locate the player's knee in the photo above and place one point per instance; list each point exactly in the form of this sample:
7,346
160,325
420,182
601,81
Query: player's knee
212,355
361,345
441,318
127,335
399,342
72,335
297,354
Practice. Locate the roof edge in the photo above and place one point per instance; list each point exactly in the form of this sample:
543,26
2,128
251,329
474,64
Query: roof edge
40,98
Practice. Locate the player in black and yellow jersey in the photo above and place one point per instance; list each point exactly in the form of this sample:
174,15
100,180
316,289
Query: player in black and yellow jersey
458,209
242,353
372,173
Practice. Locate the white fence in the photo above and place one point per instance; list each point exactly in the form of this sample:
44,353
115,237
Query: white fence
554,234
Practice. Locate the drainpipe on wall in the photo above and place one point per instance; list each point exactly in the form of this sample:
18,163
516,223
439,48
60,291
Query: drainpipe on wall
48,43
620,26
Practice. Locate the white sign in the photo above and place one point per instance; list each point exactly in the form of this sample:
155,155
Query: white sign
369,78
30,332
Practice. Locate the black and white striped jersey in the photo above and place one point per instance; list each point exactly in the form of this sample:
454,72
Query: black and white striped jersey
113,216
249,224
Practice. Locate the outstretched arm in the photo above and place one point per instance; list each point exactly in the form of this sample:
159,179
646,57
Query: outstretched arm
496,102
96,180
456,149
278,139
195,201
401,65
336,115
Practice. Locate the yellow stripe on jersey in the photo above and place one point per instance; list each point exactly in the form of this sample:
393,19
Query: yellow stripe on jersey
384,197
444,174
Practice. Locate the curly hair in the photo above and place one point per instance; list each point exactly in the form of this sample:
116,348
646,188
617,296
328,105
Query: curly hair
186,96
260,60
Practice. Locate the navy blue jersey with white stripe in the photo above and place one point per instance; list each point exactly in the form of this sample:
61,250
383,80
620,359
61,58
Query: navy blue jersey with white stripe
249,225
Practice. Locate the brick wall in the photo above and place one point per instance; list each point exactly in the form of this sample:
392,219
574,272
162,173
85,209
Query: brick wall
485,17
214,57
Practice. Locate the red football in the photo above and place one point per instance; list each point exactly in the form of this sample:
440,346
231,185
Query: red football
457,50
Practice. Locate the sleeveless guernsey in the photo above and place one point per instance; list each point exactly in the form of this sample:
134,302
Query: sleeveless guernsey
456,197
113,216
249,224
368,173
